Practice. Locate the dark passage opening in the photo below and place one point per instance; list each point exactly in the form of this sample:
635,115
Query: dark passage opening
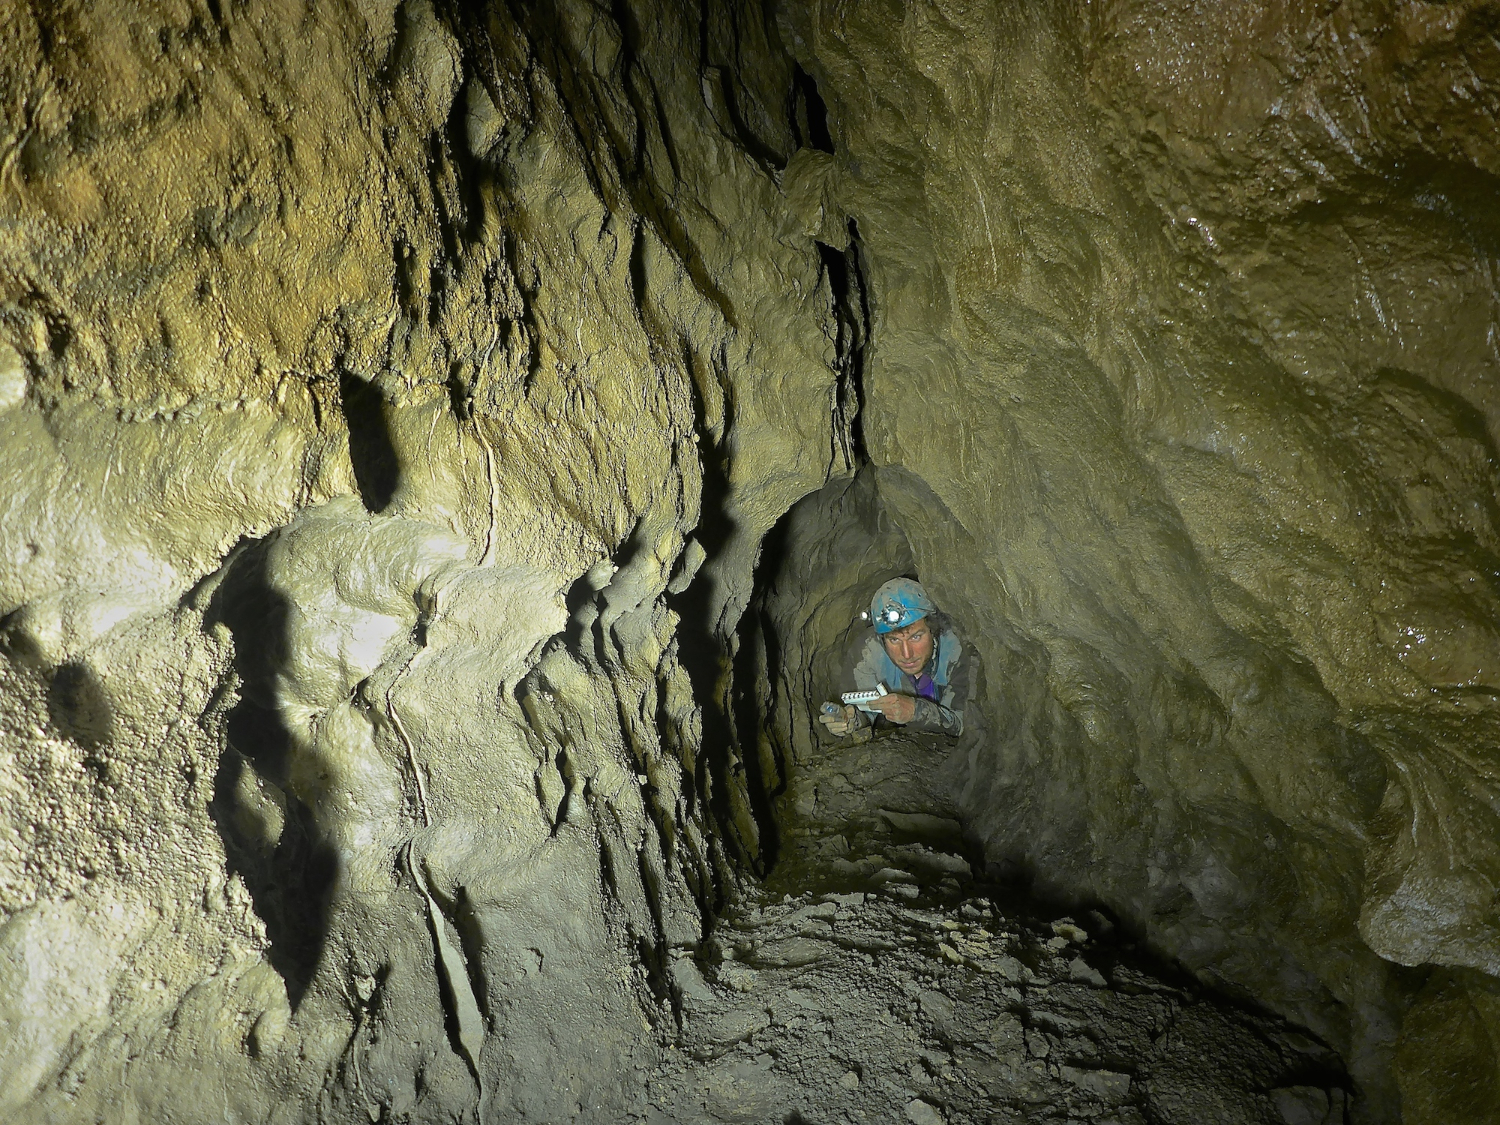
819,566
887,820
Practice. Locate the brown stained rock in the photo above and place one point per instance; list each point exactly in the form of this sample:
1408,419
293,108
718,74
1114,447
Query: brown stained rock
462,436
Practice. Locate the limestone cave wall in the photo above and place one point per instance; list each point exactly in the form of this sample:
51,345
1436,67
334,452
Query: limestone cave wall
444,446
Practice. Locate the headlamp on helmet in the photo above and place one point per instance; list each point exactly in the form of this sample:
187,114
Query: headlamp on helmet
897,604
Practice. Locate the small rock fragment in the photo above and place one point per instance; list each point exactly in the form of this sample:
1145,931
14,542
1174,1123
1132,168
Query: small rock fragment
935,1006
1109,1086
737,977
689,980
789,953
1064,928
850,1080
920,1112
1007,967
1301,1105
857,898
1081,972
736,1025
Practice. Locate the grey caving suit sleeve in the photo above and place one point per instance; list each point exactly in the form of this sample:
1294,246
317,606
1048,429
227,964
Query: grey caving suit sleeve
945,715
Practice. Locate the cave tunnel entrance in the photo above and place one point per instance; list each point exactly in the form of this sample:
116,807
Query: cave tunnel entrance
859,839
832,811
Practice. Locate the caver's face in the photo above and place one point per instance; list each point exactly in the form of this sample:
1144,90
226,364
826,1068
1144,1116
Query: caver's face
910,647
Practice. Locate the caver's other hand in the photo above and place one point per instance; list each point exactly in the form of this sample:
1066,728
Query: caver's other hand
896,708
838,720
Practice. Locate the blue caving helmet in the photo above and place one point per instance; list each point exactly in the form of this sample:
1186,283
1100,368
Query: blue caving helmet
898,603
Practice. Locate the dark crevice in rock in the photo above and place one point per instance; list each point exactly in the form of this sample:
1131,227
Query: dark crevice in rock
664,131
470,173
287,868
460,980
631,76
460,911
594,123
654,963
701,649
845,273
727,78
445,162
755,652
460,393
405,273
809,113
769,160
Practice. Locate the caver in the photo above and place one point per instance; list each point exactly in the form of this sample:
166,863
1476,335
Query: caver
916,655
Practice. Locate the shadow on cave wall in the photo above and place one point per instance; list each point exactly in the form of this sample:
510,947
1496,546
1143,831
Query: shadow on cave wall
372,451
287,867
271,838
78,707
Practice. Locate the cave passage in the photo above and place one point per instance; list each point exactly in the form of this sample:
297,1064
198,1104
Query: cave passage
879,903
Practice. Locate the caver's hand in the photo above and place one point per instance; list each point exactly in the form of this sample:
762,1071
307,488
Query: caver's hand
838,720
896,708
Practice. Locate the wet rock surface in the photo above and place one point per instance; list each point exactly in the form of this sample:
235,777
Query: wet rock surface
443,448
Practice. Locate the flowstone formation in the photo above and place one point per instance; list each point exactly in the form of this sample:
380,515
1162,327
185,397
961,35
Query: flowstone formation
445,449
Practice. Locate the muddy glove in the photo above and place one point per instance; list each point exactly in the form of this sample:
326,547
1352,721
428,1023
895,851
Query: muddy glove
839,720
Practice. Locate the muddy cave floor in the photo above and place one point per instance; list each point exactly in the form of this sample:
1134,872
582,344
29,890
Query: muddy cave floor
873,978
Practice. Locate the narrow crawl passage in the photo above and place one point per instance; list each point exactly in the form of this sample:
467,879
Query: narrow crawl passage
873,979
